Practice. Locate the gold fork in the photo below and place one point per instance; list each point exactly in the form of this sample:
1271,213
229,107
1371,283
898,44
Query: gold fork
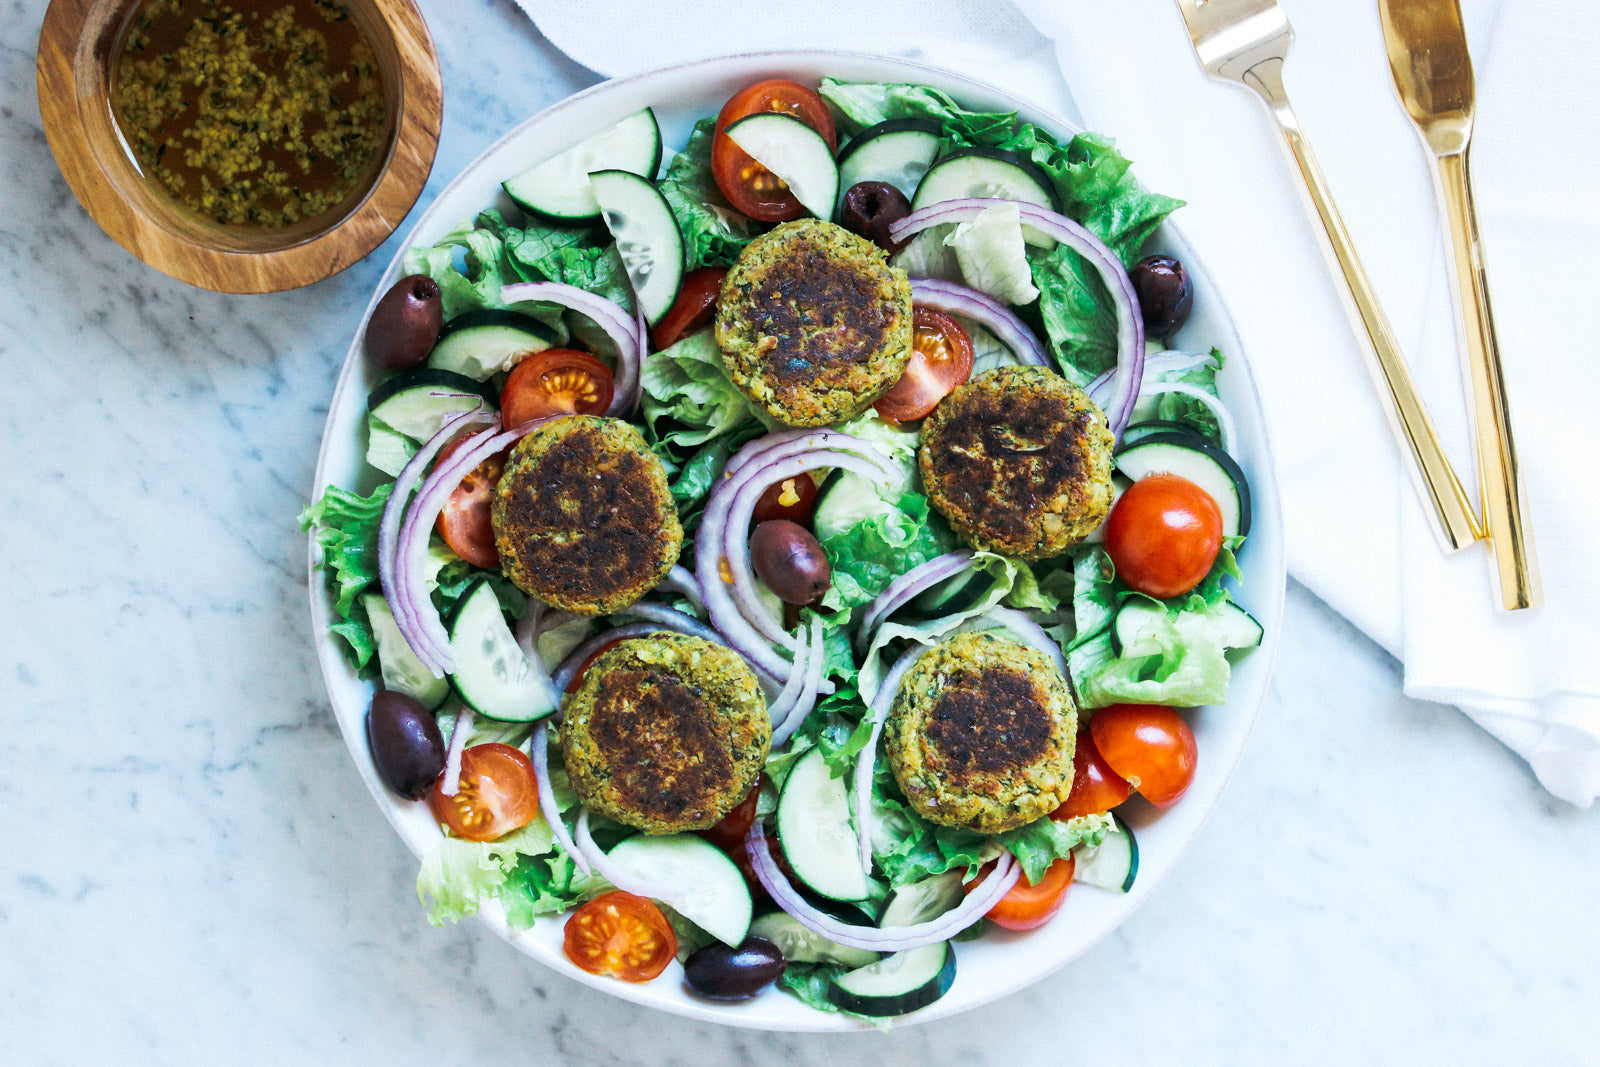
1247,41
1432,69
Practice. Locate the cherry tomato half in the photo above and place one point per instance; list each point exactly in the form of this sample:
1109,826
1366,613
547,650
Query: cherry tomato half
1027,906
498,794
1163,535
557,381
464,521
622,935
750,187
941,359
696,303
1150,746
1096,788
794,499
729,833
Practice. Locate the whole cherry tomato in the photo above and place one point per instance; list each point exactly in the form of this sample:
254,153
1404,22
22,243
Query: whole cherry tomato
1163,535
1150,746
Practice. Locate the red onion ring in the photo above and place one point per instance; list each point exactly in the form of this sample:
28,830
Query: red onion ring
1024,628
547,795
789,695
1167,361
610,871
666,618
681,580
622,328
568,668
899,592
1008,329
458,743
817,658
985,895
867,759
1130,325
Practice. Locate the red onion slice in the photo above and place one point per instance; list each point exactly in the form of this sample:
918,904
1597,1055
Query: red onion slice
603,866
816,660
867,760
547,796
789,696
666,618
568,668
681,580
458,744
622,328
1024,628
985,895
903,589
988,312
1130,325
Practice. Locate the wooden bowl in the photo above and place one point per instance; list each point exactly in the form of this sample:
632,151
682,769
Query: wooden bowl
76,48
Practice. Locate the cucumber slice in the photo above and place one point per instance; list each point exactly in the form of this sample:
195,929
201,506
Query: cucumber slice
417,402
402,670
897,152
1132,621
897,984
917,902
647,235
1113,863
985,172
845,500
559,188
1234,626
794,152
814,829
1239,628
955,594
480,344
801,945
492,672
1205,465
708,889
1138,431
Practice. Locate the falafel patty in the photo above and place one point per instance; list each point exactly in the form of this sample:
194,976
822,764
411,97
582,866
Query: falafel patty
666,733
583,518
981,734
1019,461
813,323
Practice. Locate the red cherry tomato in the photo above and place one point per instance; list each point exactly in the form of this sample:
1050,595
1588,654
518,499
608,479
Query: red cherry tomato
464,521
498,794
557,381
1163,535
740,855
941,359
621,935
1027,906
794,499
750,187
696,303
1096,788
1150,746
729,833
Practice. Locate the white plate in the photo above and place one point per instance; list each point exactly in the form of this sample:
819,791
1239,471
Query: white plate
998,963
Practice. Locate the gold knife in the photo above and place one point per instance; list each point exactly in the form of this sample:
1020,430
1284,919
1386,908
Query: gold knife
1427,46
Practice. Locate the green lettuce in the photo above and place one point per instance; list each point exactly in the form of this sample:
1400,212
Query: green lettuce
1175,407
863,104
992,256
878,549
1080,324
544,885
468,264
1044,841
346,526
688,397
458,876
713,232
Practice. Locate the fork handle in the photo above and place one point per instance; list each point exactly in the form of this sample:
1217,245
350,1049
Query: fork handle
1499,477
1407,415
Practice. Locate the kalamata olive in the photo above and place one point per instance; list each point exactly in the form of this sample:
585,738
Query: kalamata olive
870,208
405,324
407,748
790,561
718,972
1165,294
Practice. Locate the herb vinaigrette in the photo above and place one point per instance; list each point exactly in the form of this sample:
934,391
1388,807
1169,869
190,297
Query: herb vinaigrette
250,113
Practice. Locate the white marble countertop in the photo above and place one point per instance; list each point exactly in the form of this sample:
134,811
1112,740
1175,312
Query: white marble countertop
189,869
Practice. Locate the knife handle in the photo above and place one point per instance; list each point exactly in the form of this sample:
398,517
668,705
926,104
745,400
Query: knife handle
1498,474
1407,415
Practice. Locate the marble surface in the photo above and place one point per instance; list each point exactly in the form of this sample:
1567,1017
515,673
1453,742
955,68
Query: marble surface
190,870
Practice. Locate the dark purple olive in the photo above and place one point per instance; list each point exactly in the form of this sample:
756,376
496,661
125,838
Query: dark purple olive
407,748
790,561
1165,294
870,208
718,972
405,324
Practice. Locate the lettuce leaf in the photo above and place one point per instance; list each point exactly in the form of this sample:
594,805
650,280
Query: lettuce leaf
347,530
1044,841
992,255
468,264
1080,325
688,397
713,232
458,876
544,885
862,104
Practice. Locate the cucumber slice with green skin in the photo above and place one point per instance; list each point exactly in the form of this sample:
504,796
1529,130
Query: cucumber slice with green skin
480,344
985,172
402,670
1113,863
917,902
647,236
897,984
492,672
954,594
1239,628
794,152
815,832
897,152
559,188
1132,620
845,500
801,945
1138,431
1204,464
1233,626
417,402
708,889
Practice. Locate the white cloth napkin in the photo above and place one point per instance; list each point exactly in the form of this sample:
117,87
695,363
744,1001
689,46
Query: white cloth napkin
1357,534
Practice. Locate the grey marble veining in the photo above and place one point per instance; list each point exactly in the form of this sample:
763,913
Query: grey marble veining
189,870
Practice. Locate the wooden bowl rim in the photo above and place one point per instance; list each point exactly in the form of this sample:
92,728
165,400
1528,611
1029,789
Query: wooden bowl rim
391,197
